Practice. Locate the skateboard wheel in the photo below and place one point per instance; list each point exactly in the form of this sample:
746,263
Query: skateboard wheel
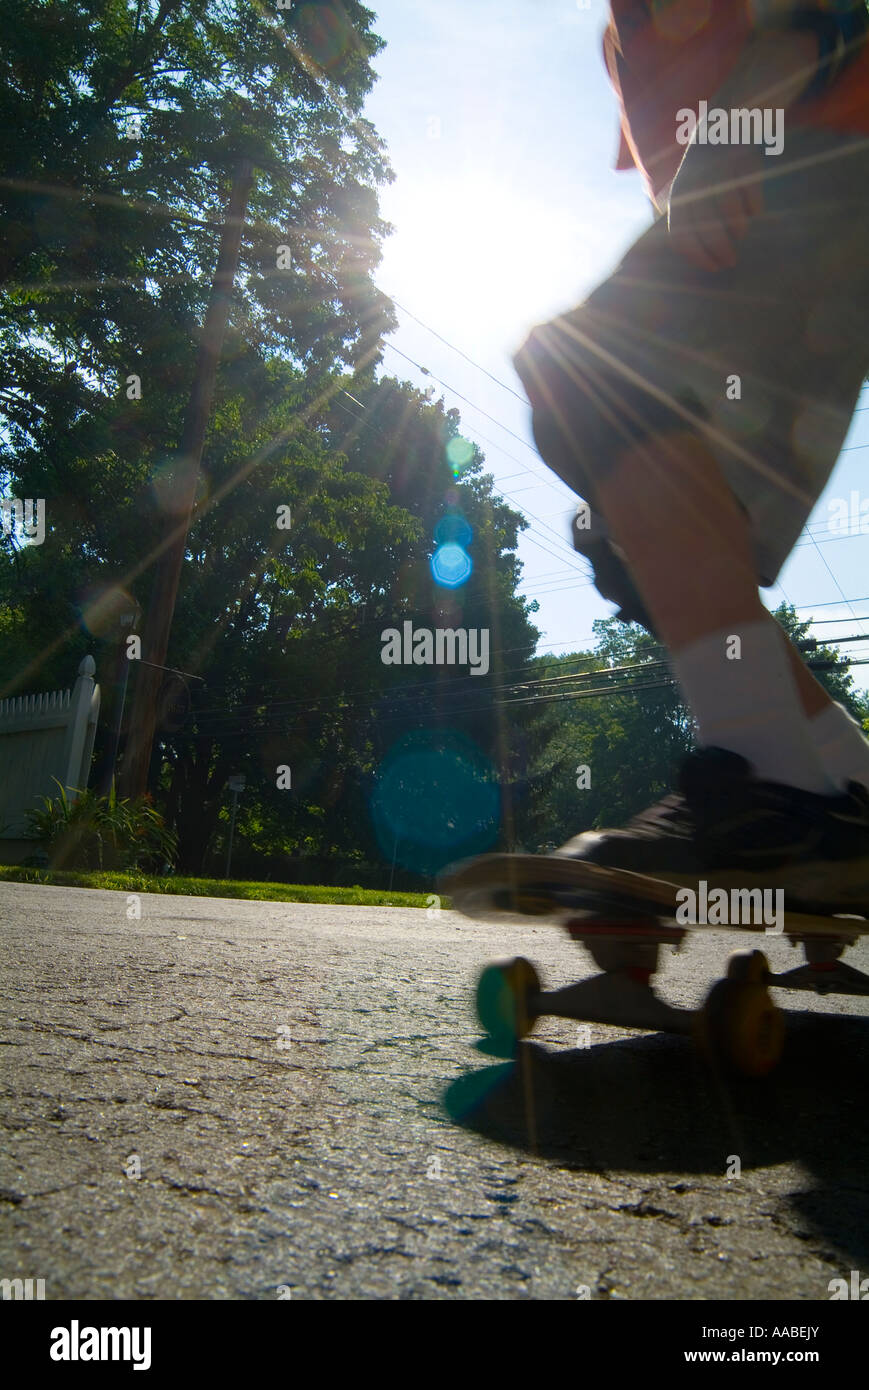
751,966
503,992
741,1026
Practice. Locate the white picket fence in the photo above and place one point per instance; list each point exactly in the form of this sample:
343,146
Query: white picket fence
43,737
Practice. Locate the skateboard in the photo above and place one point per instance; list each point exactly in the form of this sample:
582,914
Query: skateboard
623,919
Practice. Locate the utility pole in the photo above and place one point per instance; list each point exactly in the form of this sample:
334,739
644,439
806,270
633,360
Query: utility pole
127,621
236,784
161,607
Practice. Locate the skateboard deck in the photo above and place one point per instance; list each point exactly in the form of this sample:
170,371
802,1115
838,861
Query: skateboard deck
622,918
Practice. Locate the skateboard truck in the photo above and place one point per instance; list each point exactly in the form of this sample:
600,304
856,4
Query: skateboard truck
824,972
622,918
738,1025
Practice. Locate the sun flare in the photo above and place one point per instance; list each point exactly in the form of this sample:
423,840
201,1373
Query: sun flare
477,258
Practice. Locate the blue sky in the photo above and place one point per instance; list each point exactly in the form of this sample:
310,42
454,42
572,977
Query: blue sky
502,131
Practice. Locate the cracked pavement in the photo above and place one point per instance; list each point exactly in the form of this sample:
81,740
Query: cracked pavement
229,1099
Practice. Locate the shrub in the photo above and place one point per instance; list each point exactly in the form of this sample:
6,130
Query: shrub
103,832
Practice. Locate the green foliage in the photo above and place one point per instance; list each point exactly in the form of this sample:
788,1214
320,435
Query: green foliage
109,250
102,832
106,268
105,274
286,628
632,736
218,888
829,666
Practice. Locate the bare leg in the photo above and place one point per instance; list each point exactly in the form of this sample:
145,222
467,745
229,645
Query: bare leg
672,513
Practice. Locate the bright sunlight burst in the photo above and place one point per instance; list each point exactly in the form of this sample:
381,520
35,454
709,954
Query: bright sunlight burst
478,258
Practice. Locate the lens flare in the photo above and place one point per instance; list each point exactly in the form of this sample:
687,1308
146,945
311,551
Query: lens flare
326,32
459,453
101,609
451,566
436,799
170,483
453,527
679,20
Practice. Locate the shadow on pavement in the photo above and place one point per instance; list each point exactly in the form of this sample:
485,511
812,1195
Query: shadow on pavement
649,1104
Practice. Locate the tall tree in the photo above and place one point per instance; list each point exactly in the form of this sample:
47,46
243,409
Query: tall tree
120,126
287,626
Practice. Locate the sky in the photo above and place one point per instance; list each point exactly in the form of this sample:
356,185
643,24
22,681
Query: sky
502,130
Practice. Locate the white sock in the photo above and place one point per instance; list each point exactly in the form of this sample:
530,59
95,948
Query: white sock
740,688
841,746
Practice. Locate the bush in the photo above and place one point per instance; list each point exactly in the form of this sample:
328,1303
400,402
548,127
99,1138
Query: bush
101,832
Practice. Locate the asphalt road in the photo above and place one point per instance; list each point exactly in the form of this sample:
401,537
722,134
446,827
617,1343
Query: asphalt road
229,1100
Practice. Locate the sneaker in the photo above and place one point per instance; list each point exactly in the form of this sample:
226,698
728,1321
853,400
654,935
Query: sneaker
727,826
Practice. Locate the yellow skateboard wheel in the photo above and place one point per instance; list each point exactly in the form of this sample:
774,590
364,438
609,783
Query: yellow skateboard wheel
751,966
741,1027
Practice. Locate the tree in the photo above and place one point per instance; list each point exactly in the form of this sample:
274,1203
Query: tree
110,235
287,627
121,130
605,739
596,759
829,667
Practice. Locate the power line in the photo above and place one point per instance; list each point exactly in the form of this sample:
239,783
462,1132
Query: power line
453,348
497,380
832,603
461,685
833,577
623,688
425,372
525,511
824,622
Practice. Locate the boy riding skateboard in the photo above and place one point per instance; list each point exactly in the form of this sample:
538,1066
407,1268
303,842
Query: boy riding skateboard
698,401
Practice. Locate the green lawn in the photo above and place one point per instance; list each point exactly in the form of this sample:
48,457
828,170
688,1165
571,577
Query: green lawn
134,882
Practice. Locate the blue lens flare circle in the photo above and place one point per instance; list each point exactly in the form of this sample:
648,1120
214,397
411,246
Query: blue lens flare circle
451,566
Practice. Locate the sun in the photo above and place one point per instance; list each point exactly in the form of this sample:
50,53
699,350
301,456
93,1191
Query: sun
475,257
